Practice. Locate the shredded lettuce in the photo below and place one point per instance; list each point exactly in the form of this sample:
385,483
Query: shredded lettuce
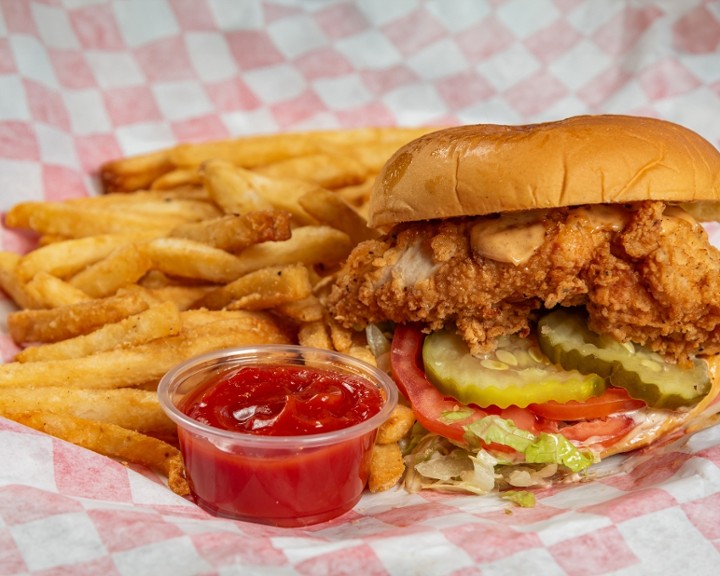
445,467
543,449
523,498
555,448
433,462
450,416
493,429
482,475
453,470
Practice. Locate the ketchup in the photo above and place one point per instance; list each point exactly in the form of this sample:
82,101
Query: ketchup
285,401
284,481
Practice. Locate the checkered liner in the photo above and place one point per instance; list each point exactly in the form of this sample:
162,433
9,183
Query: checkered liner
82,82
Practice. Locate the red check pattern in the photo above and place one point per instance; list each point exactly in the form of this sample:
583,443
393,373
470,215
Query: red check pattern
84,82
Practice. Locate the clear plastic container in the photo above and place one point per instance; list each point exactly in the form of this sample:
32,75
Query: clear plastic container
277,480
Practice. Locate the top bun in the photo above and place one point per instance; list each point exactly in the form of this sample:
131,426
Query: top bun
488,168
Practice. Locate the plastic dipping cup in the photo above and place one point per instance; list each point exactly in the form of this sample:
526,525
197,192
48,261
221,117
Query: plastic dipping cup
278,480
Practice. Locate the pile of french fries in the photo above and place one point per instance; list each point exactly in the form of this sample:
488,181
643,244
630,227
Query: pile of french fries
190,249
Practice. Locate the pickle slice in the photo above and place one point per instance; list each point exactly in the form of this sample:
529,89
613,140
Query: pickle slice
564,337
515,374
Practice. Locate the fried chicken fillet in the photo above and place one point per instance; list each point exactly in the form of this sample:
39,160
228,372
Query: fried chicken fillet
645,273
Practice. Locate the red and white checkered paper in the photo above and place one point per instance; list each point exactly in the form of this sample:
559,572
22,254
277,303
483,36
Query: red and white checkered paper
84,81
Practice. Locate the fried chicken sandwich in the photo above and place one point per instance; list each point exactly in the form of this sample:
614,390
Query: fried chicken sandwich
547,294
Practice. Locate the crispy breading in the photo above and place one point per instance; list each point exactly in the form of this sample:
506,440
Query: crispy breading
654,280
663,289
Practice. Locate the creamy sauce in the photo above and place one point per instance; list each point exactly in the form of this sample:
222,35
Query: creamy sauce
602,216
514,237
673,215
511,238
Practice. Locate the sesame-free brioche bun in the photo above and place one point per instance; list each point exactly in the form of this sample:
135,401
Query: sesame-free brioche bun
487,168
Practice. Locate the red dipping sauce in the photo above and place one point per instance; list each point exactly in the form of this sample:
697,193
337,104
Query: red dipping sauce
277,434
284,401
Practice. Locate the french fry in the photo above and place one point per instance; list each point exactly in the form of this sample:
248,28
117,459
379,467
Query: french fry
358,195
236,328
111,440
133,409
46,239
386,467
362,352
308,245
341,337
49,291
155,279
189,259
51,325
235,232
308,309
177,178
182,297
64,219
134,173
138,197
198,318
261,289
156,322
370,147
181,210
231,189
261,150
187,204
248,152
12,284
374,156
315,335
122,267
369,136
135,365
329,208
68,257
238,191
396,427
123,367
283,194
327,170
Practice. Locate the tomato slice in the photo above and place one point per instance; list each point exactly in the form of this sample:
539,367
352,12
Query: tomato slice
432,409
428,404
524,419
612,401
598,432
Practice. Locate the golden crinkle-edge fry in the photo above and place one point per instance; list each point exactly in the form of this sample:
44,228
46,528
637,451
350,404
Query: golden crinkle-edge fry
190,249
386,467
